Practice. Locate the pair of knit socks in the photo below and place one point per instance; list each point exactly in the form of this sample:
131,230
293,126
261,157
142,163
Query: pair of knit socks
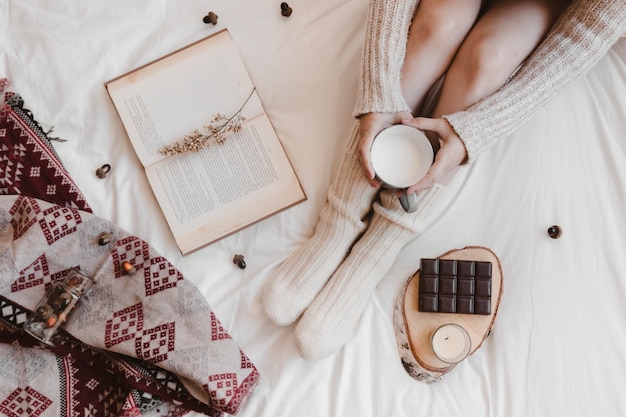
343,218
328,281
333,316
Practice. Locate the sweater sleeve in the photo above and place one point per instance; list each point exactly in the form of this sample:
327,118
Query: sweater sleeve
578,40
383,55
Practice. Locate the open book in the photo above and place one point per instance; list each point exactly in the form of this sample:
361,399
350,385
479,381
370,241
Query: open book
224,187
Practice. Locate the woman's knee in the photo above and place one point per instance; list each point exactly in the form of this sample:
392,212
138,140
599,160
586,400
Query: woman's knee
503,38
444,22
486,63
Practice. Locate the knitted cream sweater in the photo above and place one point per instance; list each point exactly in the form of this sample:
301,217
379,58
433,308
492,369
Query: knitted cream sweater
580,37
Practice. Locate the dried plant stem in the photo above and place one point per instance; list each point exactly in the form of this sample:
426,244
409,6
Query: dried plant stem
216,131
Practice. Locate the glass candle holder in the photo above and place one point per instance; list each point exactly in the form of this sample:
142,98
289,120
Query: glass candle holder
55,306
451,343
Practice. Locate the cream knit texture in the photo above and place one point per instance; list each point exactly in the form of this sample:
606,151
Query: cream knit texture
381,66
342,220
581,36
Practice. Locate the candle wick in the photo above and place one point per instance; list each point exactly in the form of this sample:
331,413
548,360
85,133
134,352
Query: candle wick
446,338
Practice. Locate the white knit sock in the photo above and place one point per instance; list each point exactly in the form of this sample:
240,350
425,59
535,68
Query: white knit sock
298,279
332,317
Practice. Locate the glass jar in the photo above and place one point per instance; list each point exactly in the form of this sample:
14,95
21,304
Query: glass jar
55,306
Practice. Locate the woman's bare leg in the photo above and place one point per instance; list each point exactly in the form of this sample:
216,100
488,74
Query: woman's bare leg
501,39
436,33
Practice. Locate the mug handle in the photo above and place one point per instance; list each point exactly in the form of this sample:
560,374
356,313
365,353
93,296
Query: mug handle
408,202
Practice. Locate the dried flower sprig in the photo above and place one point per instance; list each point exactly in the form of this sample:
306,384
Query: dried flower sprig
215,132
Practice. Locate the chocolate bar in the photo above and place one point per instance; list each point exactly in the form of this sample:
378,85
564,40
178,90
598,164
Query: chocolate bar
455,286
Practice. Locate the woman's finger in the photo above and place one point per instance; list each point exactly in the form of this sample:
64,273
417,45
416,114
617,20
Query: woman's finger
440,126
436,171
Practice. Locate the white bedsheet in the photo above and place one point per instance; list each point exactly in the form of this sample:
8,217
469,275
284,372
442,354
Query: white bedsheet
557,347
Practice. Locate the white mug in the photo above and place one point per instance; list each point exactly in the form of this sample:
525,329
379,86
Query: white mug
401,155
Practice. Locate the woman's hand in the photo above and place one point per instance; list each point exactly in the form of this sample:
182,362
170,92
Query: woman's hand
451,154
369,126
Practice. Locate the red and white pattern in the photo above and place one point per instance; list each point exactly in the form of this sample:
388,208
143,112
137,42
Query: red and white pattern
36,274
124,325
217,331
57,222
33,275
137,344
25,402
129,249
154,344
28,163
24,215
160,275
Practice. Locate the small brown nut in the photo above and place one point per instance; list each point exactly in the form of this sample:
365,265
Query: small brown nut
554,232
239,261
210,18
104,239
128,268
286,11
103,171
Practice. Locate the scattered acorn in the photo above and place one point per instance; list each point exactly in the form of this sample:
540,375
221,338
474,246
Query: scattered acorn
128,268
554,232
285,9
104,239
103,171
239,261
210,18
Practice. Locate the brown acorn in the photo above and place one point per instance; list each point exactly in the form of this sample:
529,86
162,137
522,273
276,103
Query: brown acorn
104,239
210,18
554,232
128,268
285,9
103,171
239,261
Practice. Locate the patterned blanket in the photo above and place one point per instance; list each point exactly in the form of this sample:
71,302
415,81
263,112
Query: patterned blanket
140,343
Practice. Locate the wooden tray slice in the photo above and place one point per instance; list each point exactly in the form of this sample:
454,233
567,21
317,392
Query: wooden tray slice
414,329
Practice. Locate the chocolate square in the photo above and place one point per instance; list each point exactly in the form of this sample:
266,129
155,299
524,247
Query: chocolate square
465,305
483,287
483,269
429,284
465,269
447,304
447,267
466,286
428,302
430,267
482,305
447,285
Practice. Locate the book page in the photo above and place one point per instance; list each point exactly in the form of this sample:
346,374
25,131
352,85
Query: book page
224,187
163,101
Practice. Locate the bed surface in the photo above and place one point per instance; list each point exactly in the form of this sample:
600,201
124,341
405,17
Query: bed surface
557,346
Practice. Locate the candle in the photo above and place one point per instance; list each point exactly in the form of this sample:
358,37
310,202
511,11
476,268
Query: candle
451,343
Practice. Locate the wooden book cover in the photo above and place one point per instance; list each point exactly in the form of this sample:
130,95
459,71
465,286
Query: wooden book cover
224,187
